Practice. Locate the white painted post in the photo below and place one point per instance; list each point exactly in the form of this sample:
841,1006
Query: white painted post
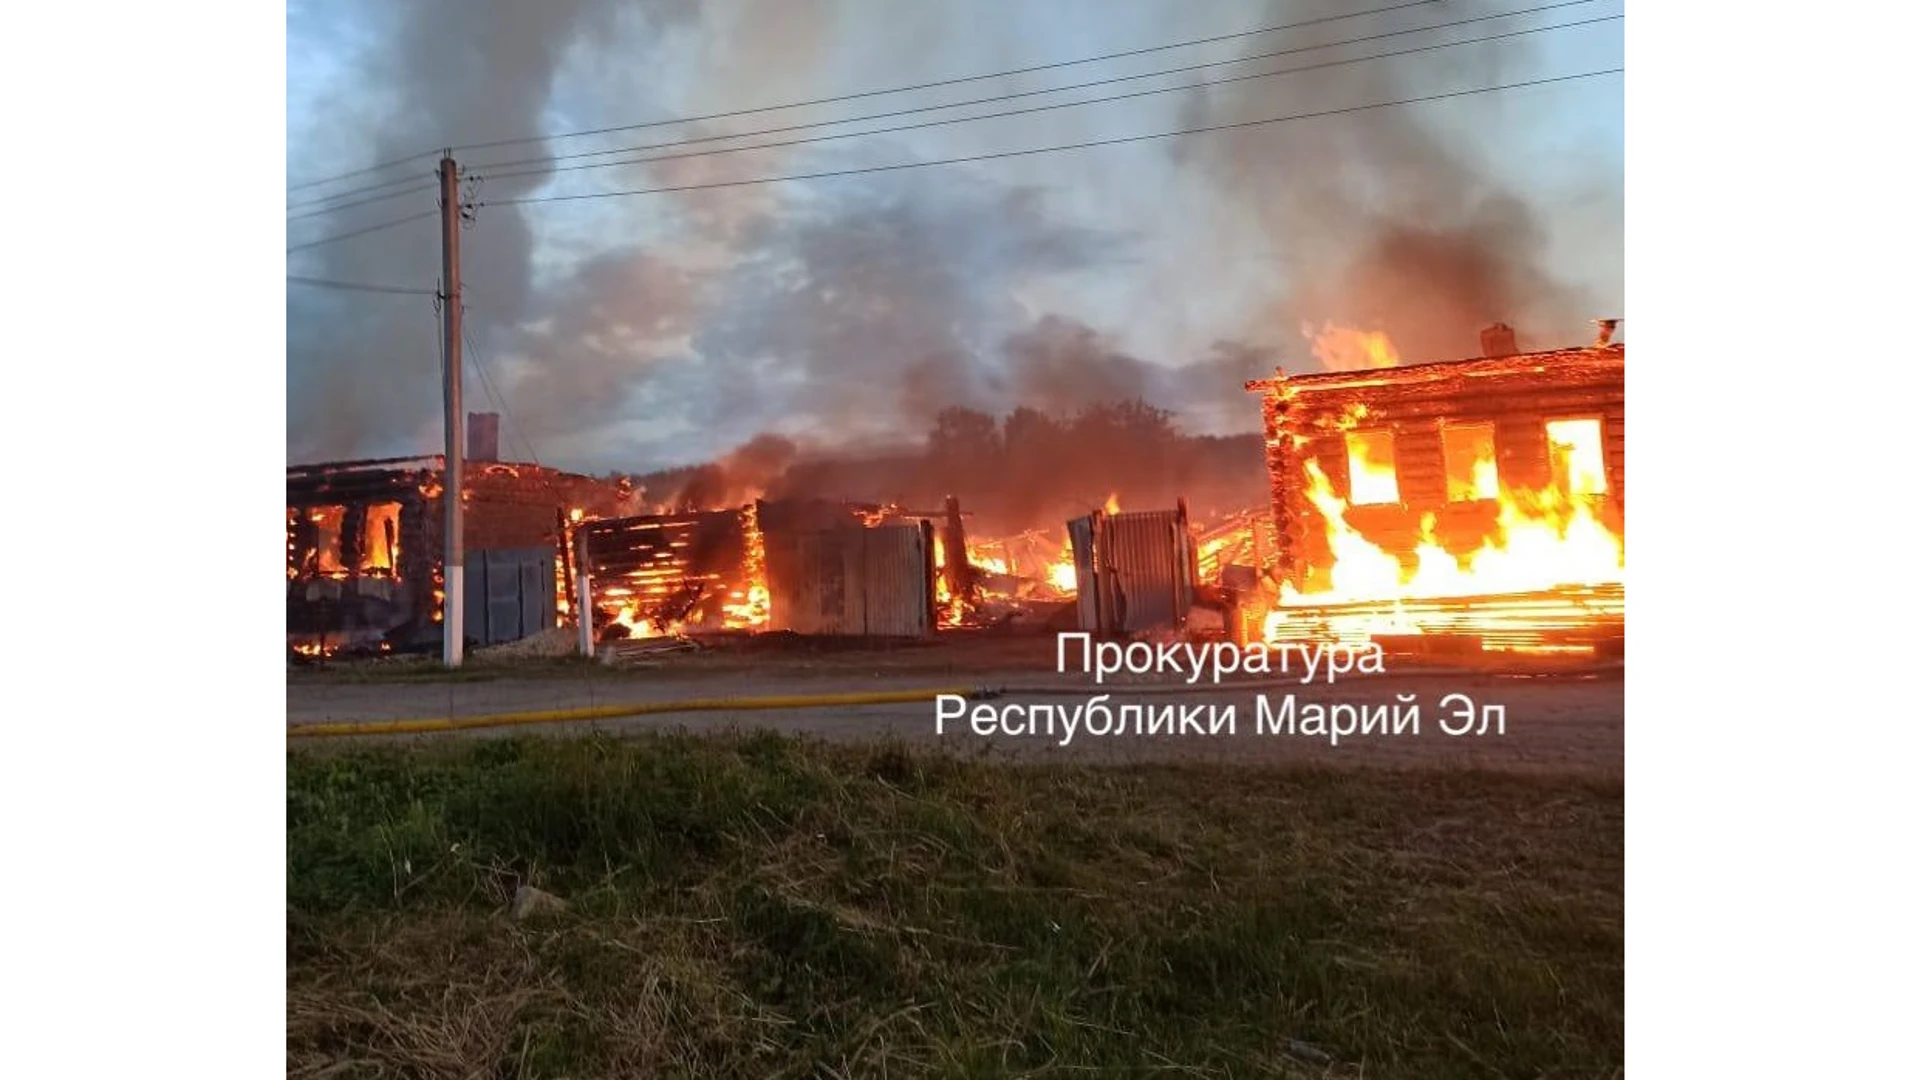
583,594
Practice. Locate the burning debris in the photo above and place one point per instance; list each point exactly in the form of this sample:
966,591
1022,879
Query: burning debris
809,566
1478,500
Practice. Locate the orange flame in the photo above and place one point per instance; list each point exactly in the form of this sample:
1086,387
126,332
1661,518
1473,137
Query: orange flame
1342,348
744,606
1542,540
380,538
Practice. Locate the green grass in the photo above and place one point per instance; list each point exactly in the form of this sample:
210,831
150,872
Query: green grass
758,906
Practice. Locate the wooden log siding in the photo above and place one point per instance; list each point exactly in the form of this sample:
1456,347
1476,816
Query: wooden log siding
1307,418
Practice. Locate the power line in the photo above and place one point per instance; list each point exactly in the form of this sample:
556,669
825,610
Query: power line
480,365
499,399
1054,90
382,166
363,231
377,167
948,82
478,170
1057,105
357,286
327,204
1055,149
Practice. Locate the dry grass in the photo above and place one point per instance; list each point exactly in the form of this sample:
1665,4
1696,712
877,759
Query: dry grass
758,906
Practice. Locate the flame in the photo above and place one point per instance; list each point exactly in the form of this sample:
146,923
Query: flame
1468,452
327,522
951,609
747,608
1370,468
380,538
1343,348
1011,575
633,602
1063,576
1579,466
1542,540
1113,505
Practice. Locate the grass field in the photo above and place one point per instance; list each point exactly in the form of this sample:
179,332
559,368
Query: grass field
757,906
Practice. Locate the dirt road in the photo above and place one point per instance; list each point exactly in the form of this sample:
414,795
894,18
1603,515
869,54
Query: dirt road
1559,721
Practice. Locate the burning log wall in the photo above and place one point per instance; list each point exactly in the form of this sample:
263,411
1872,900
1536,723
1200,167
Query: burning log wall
1503,475
669,573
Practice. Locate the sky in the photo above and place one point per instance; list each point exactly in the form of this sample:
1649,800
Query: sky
649,330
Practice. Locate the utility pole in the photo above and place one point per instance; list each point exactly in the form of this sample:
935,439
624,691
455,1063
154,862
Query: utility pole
453,573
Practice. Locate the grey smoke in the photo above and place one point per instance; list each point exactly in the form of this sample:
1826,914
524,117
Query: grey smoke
362,377
1384,220
656,330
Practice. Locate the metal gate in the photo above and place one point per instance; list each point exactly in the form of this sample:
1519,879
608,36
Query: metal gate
509,594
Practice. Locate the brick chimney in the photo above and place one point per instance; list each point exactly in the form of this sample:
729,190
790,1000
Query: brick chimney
1497,340
483,436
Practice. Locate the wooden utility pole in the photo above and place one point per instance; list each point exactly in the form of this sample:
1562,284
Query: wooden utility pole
453,573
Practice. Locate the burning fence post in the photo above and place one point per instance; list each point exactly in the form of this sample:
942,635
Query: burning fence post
565,546
583,589
959,568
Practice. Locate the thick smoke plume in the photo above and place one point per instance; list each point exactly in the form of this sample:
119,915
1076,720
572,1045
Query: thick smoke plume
1386,220
850,337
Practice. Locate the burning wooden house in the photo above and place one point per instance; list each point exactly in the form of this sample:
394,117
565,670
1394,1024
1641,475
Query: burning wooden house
365,547
1480,501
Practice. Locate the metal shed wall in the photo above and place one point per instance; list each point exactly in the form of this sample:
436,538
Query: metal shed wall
852,581
1142,566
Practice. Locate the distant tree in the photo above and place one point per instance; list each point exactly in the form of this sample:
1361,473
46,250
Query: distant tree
964,450
1032,438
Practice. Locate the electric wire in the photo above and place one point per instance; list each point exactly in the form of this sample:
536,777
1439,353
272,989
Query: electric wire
348,235
328,204
358,286
370,190
945,82
1031,151
858,95
499,399
486,168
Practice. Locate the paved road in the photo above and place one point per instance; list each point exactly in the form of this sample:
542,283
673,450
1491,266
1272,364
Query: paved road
1554,722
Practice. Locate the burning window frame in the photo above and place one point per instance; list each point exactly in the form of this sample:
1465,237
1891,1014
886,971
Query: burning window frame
1598,445
1372,452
